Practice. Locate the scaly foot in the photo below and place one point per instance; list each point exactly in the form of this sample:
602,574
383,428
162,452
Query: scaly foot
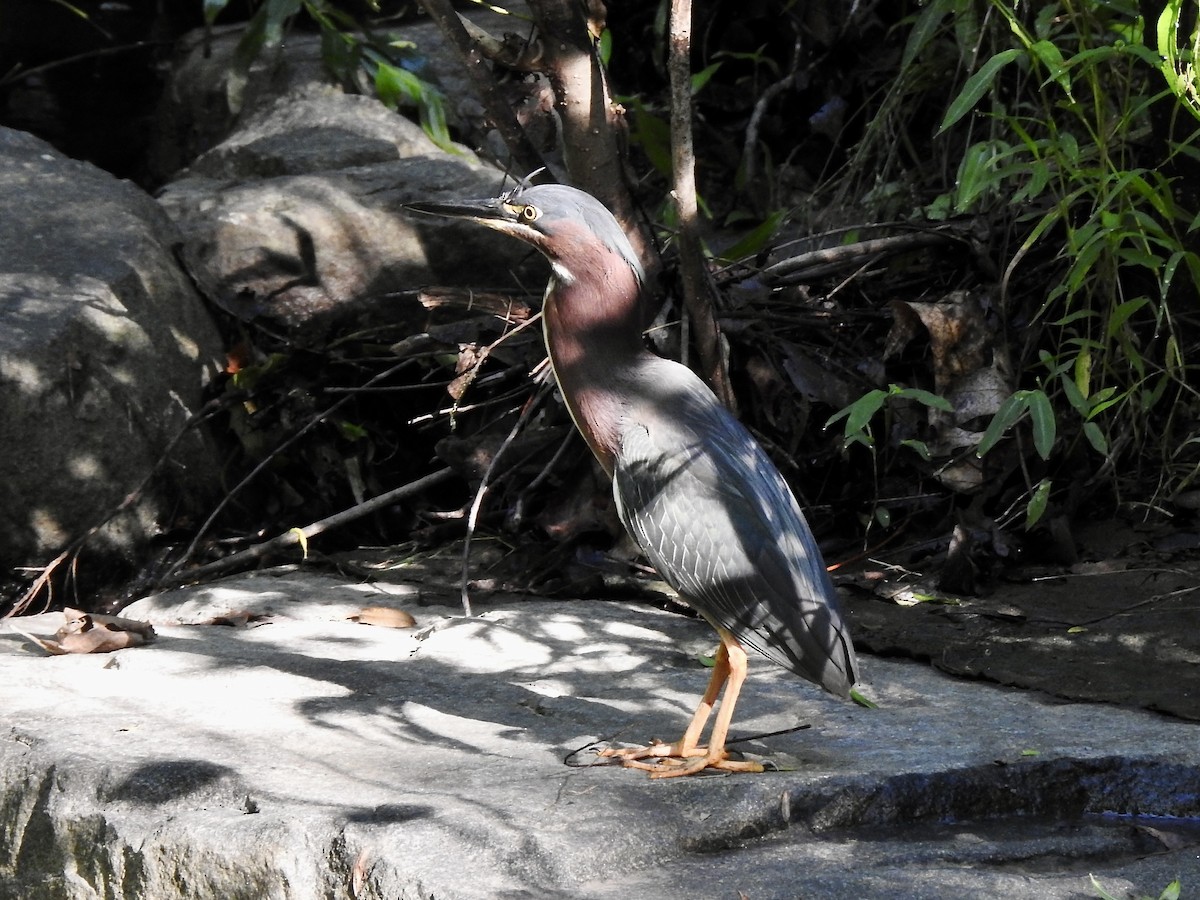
664,760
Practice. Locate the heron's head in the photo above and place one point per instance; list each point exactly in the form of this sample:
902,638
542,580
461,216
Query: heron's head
573,229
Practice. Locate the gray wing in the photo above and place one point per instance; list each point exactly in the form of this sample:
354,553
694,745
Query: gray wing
718,522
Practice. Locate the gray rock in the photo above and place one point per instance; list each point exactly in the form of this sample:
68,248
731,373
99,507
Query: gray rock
309,251
315,130
203,104
200,105
313,757
104,350
297,217
291,207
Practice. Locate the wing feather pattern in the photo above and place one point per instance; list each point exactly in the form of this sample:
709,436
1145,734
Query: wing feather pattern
718,522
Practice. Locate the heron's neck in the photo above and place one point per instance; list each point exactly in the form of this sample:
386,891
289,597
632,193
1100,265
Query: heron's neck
593,328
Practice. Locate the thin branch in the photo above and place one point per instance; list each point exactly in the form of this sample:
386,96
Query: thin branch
511,52
267,461
530,407
698,292
819,263
750,145
295,536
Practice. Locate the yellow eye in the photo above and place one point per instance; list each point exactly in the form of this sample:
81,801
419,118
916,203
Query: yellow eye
530,213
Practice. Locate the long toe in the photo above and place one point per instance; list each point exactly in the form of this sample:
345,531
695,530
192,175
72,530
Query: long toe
696,766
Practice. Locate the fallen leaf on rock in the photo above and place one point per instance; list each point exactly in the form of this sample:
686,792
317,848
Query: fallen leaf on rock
385,617
84,632
98,640
970,370
78,621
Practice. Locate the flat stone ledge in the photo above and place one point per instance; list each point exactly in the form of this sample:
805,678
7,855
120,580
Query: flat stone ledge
312,757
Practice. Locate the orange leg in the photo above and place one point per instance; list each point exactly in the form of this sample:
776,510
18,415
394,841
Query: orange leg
686,756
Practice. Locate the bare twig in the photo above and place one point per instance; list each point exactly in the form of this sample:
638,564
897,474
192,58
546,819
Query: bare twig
530,407
750,145
268,460
698,292
819,263
295,536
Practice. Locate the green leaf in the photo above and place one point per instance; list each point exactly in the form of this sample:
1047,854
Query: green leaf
701,78
921,448
351,430
976,175
1037,504
1074,396
863,410
1006,416
652,134
978,85
1171,891
1120,315
754,241
1104,401
1051,57
872,399
1083,372
433,120
924,397
861,700
265,29
390,85
278,13
1075,316
925,27
1041,411
605,46
394,84
1096,438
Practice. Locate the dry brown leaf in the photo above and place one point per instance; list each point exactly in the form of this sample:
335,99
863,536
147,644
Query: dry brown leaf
970,370
959,336
45,643
78,621
100,640
84,632
385,617
93,633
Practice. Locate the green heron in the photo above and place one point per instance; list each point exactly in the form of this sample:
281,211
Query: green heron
693,488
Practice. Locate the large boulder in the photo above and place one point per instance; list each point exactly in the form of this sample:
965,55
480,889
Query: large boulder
206,99
319,758
289,191
105,348
297,215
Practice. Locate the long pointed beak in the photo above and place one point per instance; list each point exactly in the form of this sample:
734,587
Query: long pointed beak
493,212
488,212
